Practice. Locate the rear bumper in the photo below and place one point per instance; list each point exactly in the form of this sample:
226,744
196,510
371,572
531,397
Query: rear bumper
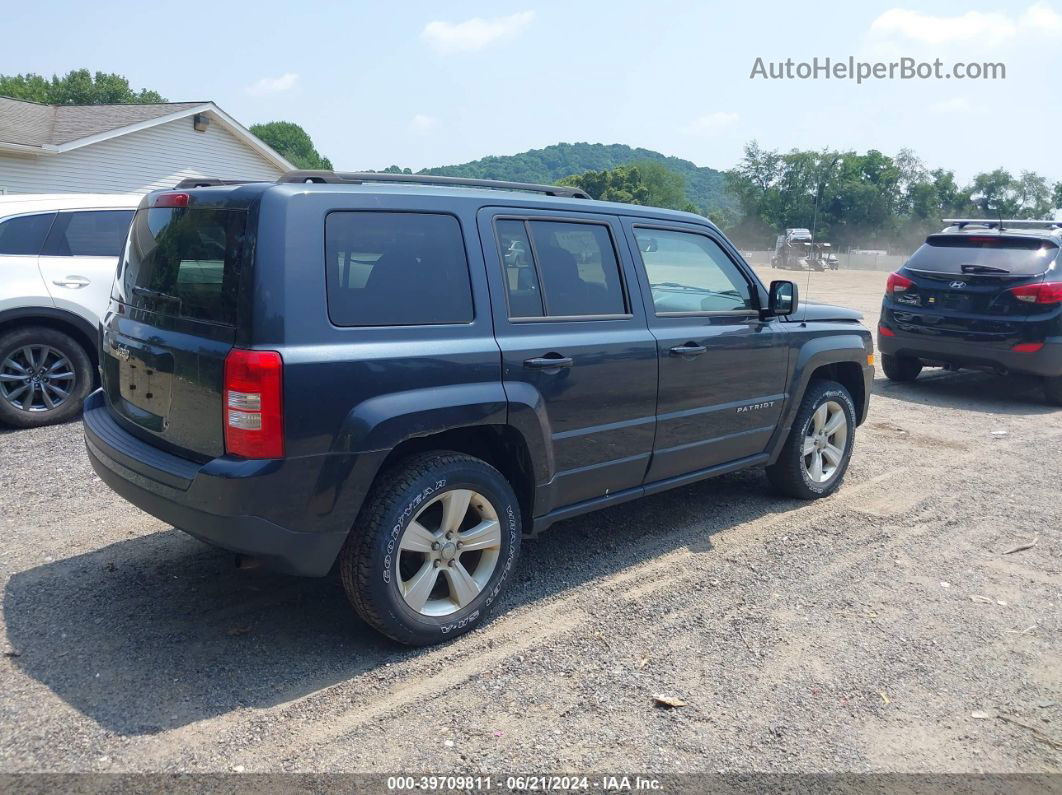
211,501
1045,362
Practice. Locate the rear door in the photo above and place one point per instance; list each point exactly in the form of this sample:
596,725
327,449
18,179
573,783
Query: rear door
79,259
574,344
722,369
962,286
172,322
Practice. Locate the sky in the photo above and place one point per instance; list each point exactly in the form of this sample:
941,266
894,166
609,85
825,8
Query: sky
423,84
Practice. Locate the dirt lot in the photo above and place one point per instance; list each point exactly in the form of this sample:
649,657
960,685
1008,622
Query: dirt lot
882,629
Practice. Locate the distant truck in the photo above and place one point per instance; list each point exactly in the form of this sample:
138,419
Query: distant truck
796,250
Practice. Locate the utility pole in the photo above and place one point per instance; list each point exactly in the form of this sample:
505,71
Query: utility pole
824,175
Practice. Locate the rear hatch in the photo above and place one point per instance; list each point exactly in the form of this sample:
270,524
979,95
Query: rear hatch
962,285
173,320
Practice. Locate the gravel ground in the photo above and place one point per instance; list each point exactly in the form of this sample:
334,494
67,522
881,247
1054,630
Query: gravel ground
882,629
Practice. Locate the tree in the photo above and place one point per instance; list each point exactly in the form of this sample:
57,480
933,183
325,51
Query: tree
1034,196
704,186
292,142
645,182
1058,195
78,87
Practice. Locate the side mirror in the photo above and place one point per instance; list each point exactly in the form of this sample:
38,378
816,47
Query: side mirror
783,299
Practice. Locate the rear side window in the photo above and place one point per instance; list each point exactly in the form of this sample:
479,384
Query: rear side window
972,253
560,269
25,233
92,233
184,262
396,269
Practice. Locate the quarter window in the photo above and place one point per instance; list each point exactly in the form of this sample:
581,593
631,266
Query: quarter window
93,233
691,273
560,269
24,234
396,269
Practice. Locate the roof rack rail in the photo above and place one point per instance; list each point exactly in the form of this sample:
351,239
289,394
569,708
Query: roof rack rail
1003,223
210,182
361,177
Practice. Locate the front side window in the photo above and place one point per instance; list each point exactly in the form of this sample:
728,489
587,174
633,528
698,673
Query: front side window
560,269
396,269
691,273
24,234
89,233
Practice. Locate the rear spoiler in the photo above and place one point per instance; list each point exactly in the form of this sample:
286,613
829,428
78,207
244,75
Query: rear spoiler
210,182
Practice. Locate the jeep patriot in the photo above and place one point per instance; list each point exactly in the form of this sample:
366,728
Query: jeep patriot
403,376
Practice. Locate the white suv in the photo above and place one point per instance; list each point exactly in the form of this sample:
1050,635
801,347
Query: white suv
58,255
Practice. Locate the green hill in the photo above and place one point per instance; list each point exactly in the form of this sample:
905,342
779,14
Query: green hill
704,186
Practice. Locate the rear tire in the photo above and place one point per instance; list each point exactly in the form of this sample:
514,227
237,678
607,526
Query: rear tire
816,454
1053,389
433,549
900,368
45,376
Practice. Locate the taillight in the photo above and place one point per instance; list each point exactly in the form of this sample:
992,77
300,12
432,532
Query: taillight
172,200
253,400
1028,347
897,284
885,331
1044,293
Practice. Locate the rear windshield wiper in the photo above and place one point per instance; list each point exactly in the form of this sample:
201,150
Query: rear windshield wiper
144,291
982,269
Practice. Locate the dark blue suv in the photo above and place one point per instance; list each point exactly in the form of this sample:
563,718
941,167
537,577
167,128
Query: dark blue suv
406,375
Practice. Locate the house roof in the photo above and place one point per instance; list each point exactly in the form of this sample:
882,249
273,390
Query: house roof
51,129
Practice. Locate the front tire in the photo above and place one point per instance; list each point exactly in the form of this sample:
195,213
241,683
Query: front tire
816,454
45,376
433,549
900,368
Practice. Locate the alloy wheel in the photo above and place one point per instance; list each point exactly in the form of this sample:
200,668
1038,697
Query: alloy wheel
448,552
36,378
825,440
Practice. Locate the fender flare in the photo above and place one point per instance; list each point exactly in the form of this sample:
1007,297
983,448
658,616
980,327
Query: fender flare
812,355
85,329
375,427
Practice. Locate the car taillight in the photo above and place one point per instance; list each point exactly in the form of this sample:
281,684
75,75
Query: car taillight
1028,347
885,331
253,401
897,284
1044,293
172,200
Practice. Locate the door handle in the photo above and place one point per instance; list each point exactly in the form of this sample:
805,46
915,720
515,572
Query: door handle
549,361
73,282
689,349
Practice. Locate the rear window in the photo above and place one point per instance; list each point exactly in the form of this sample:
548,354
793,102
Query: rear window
184,262
1011,255
24,234
89,233
396,269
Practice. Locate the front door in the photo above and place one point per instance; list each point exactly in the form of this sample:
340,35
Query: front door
722,369
575,348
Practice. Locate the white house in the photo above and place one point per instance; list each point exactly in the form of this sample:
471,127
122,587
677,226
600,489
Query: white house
125,148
